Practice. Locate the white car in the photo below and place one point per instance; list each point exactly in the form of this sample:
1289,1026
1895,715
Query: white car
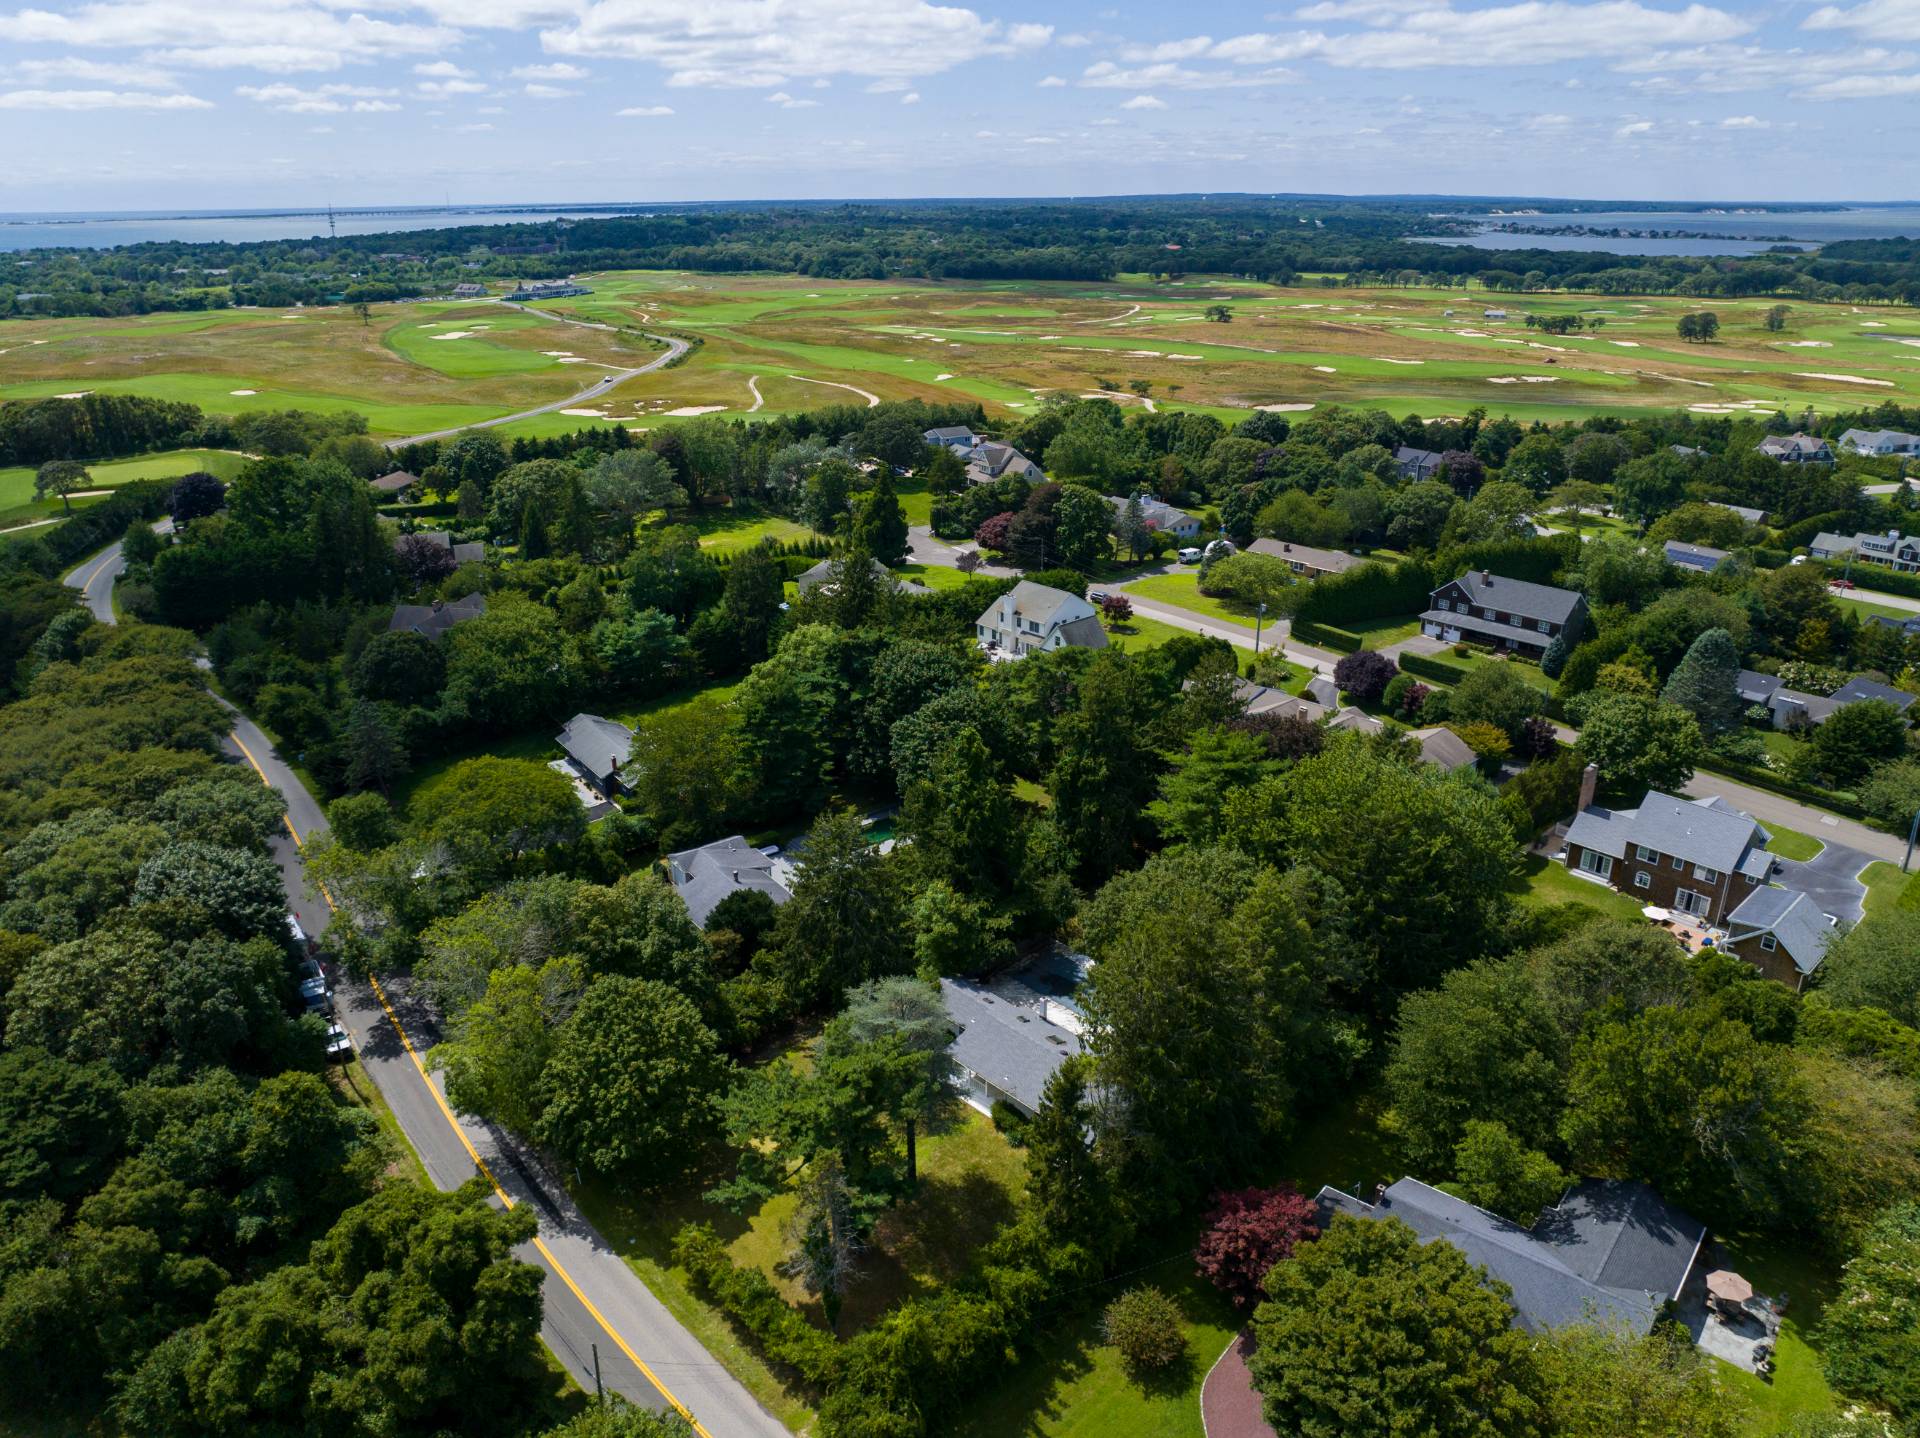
339,1045
1189,556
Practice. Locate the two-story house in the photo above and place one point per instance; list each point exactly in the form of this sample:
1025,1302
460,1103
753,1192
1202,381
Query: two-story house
990,460
1485,608
953,436
1030,617
1304,559
1699,857
1796,449
1893,549
1880,442
1416,464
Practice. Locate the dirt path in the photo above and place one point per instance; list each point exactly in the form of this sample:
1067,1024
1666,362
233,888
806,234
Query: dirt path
871,399
753,383
1112,319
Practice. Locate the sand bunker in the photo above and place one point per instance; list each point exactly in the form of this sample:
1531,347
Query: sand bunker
1186,357
77,394
1385,360
1474,334
1626,344
943,376
453,335
1524,379
557,354
693,409
1901,340
1326,369
1808,345
243,391
1843,378
1282,408
587,413
1144,354
1873,324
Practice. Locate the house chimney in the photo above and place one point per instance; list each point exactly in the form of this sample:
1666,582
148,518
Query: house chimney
1379,1194
1286,548
1589,784
1486,579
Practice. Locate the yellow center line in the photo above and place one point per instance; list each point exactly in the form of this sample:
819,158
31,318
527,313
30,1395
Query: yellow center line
99,565
481,1164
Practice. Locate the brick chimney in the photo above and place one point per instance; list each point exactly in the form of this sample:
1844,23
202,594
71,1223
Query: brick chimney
1486,579
1589,784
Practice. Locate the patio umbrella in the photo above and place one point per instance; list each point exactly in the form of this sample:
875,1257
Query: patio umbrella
1728,1287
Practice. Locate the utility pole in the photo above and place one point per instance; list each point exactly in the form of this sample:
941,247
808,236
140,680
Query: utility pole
1260,618
599,1389
1913,832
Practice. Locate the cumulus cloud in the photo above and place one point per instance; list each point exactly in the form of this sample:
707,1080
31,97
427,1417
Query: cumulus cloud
442,70
1744,122
447,89
1862,87
1145,102
98,100
1728,69
787,102
559,70
275,35
645,111
320,100
1052,82
547,92
756,43
1875,19
912,97
1637,127
104,72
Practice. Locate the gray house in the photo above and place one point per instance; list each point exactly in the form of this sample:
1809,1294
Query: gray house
708,874
436,618
1009,1038
1304,559
597,749
1697,557
1796,449
1880,442
1612,1254
1416,464
1485,608
1792,708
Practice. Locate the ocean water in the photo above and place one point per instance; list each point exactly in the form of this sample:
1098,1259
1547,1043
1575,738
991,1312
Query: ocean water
1742,231
105,230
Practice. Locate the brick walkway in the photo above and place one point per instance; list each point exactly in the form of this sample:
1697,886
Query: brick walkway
1229,1408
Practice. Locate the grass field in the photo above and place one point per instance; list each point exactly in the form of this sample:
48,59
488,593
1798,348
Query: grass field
1182,588
1791,843
1545,884
17,503
772,343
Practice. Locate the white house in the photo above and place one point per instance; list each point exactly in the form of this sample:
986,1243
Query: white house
1031,617
1161,516
1880,441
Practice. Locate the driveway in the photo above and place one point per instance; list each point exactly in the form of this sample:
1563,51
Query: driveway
1831,879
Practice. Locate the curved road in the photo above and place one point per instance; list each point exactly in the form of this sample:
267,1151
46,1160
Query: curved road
590,1297
596,390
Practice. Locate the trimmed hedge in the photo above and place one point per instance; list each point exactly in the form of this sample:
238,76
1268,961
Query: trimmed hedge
1795,535
1372,591
98,525
1327,637
1868,577
1427,667
786,1339
1786,788
1537,560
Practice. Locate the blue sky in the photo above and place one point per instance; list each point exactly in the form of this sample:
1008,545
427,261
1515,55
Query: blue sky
135,104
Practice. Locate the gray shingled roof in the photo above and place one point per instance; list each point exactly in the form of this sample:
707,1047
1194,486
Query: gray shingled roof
706,875
1442,747
1694,556
1605,831
600,746
1336,561
1855,690
1519,596
1084,633
1701,831
1612,1253
437,618
1792,917
1756,688
1009,1045
1832,543
1261,699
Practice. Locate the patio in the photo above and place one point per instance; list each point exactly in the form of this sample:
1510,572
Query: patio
1738,1330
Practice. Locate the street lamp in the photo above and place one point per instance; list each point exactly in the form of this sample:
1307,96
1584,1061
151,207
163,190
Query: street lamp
1260,615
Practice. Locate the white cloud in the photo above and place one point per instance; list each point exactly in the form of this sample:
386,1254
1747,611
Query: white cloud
645,111
477,129
1862,87
547,92
787,102
749,44
97,100
1052,82
1105,75
442,70
76,67
559,70
886,87
1744,122
321,100
1371,12
1145,102
1637,127
276,35
446,89
1875,19
1728,69
912,97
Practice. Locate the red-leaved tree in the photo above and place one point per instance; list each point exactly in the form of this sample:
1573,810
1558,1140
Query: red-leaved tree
1248,1231
992,533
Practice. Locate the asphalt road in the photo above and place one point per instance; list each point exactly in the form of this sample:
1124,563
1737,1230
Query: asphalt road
596,390
590,1297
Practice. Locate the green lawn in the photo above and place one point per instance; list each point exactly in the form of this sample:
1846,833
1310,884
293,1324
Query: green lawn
726,531
1888,888
1861,608
1182,589
1074,1385
1807,1279
1142,632
1545,884
1790,843
17,503
934,576
1378,633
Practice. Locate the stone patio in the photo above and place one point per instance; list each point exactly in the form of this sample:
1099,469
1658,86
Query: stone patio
1733,1340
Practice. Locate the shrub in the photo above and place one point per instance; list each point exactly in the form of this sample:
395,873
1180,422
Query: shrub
1145,1326
1873,1329
1011,1122
1365,675
1403,696
1248,1231
1438,670
1488,741
747,1297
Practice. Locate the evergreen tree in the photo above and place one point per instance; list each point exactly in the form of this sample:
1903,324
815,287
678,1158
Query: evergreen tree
881,525
1705,682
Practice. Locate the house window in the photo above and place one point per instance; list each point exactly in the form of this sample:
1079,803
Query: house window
1769,943
1546,627
1691,903
1445,604
1701,871
1751,881
1678,862
1642,879
1515,620
1645,855
1594,862
1487,614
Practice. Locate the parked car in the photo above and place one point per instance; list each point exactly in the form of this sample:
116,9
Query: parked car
339,1046
1096,596
1189,556
315,996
